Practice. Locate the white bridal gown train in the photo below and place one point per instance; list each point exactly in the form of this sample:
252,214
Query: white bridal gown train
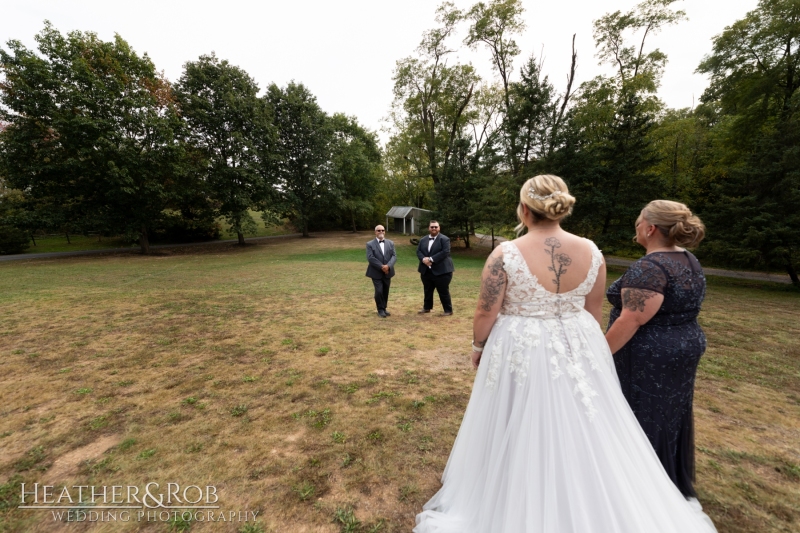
548,443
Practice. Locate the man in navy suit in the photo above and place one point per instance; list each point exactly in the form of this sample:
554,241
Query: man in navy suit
381,258
435,268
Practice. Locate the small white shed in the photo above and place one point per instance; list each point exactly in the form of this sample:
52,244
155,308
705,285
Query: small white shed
406,219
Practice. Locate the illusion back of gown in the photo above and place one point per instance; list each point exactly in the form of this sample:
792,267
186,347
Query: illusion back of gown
526,296
548,443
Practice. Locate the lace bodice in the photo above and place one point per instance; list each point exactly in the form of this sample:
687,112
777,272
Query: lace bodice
525,296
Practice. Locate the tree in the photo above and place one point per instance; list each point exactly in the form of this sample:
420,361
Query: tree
457,191
613,174
606,150
755,77
637,70
680,139
232,127
305,143
93,127
406,180
357,167
12,239
431,98
530,114
494,25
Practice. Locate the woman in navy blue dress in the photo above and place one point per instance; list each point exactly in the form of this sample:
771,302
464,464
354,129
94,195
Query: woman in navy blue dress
654,335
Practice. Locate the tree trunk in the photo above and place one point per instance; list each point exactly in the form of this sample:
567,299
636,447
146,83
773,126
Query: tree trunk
792,272
144,242
466,239
67,234
305,227
240,235
606,223
675,168
33,238
492,237
353,215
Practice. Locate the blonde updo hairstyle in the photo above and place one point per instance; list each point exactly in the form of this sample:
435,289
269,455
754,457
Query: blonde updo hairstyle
676,222
547,197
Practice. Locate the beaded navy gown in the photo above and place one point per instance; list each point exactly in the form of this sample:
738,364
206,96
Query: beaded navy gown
657,367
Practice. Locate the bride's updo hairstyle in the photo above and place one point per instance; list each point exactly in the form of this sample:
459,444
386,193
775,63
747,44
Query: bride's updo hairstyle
547,197
676,222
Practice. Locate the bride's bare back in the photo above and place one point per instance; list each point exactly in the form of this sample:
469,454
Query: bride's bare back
559,260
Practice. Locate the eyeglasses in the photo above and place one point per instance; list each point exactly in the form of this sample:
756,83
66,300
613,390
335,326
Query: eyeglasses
380,231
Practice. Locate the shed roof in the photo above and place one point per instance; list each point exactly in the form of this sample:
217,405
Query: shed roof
399,211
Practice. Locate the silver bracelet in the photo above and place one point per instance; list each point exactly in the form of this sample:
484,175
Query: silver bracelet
476,348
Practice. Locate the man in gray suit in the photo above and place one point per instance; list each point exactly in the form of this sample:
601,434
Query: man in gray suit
381,258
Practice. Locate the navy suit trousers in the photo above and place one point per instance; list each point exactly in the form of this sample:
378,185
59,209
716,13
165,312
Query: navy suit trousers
442,285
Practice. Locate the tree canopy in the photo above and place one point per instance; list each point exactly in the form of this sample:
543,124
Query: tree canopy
233,130
93,131
95,139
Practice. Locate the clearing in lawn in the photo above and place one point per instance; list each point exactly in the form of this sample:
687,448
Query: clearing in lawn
265,372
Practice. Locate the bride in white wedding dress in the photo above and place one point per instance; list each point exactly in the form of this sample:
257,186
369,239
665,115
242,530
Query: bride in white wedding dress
548,443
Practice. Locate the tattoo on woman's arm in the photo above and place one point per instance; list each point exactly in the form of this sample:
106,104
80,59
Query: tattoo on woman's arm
635,299
562,259
494,285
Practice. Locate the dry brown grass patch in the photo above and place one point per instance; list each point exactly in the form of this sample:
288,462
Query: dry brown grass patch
265,371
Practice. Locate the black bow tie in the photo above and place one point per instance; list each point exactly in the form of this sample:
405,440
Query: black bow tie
380,242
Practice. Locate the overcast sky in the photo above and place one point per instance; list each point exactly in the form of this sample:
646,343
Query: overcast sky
344,51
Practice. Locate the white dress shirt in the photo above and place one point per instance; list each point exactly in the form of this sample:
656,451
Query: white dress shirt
430,245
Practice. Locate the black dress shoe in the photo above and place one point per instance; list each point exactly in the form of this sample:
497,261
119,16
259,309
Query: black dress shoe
382,314
447,313
423,310
388,313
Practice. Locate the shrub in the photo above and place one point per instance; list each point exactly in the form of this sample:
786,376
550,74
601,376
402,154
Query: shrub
13,240
174,228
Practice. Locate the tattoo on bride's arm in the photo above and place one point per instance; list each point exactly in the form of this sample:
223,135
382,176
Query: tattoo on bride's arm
494,285
635,299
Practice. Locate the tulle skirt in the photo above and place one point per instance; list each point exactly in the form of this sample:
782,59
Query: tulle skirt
549,444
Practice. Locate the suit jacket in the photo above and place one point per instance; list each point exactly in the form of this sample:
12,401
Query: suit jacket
376,259
440,253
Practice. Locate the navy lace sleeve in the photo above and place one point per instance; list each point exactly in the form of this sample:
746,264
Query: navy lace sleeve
645,274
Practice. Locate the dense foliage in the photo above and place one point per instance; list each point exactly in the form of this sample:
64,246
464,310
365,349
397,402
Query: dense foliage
94,139
462,146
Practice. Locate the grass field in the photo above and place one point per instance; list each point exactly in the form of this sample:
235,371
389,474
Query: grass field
265,372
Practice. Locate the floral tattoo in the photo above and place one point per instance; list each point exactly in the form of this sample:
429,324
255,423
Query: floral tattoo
635,299
563,261
493,286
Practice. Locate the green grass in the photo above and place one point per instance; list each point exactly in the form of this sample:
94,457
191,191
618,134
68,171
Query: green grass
262,230
255,369
406,256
